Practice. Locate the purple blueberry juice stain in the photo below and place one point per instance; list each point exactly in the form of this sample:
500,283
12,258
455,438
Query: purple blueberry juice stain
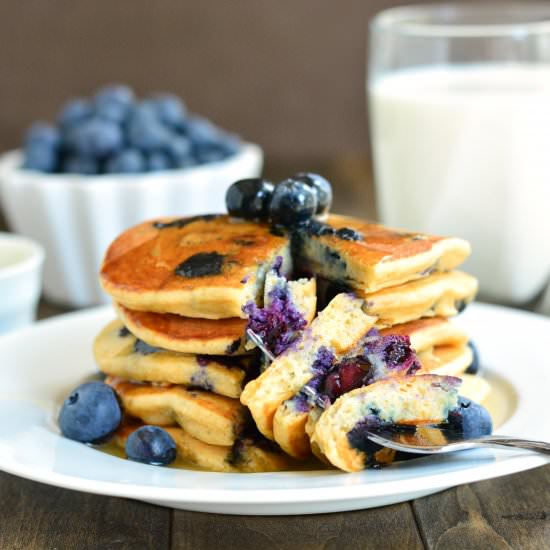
279,324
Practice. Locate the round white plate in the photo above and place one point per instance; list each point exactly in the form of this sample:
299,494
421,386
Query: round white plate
41,364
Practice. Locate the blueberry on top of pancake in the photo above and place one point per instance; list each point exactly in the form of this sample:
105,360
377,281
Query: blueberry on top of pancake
205,266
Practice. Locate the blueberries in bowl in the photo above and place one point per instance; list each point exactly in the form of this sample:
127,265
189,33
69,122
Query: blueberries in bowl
91,413
151,445
114,132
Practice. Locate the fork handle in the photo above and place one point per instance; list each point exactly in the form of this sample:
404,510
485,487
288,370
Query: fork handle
507,441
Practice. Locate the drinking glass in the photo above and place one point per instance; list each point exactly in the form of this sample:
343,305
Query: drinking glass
459,102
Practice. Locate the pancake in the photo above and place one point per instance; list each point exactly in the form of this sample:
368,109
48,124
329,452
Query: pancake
213,336
439,294
428,333
211,418
245,455
206,266
451,360
118,353
186,334
334,331
408,400
291,418
441,347
381,258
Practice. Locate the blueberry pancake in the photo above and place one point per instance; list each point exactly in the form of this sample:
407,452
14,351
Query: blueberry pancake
214,336
369,257
449,360
409,401
211,418
376,356
245,455
206,266
119,353
335,330
439,294
426,334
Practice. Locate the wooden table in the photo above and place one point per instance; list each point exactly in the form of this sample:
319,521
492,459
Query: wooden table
509,512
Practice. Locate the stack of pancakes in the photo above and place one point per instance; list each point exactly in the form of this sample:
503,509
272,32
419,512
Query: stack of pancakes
408,281
397,282
177,355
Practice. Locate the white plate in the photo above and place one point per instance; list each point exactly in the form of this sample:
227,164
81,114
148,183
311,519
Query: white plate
41,364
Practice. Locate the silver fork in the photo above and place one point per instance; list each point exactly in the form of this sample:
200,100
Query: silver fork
435,440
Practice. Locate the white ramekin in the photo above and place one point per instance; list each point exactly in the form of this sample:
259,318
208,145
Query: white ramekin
76,217
21,261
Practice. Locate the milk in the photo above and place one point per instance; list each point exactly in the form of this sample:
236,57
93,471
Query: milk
465,151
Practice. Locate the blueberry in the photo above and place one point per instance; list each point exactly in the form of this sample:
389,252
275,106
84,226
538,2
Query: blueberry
230,144
43,134
151,445
249,198
209,153
178,148
158,160
95,137
114,102
349,234
293,203
475,366
169,109
90,413
74,112
78,164
145,131
322,187
470,419
127,161
201,131
40,156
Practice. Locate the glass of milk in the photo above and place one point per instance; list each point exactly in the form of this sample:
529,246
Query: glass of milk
459,99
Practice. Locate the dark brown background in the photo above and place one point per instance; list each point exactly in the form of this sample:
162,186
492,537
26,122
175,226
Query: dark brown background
286,74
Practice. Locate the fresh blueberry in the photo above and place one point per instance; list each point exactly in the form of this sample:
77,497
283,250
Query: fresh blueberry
209,153
127,161
201,131
230,144
169,109
293,203
470,419
159,160
475,366
90,413
41,157
151,445
322,187
249,198
79,164
43,134
74,112
178,148
95,137
145,131
114,102
348,234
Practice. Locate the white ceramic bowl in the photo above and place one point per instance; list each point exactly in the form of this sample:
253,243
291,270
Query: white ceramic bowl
21,263
76,217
